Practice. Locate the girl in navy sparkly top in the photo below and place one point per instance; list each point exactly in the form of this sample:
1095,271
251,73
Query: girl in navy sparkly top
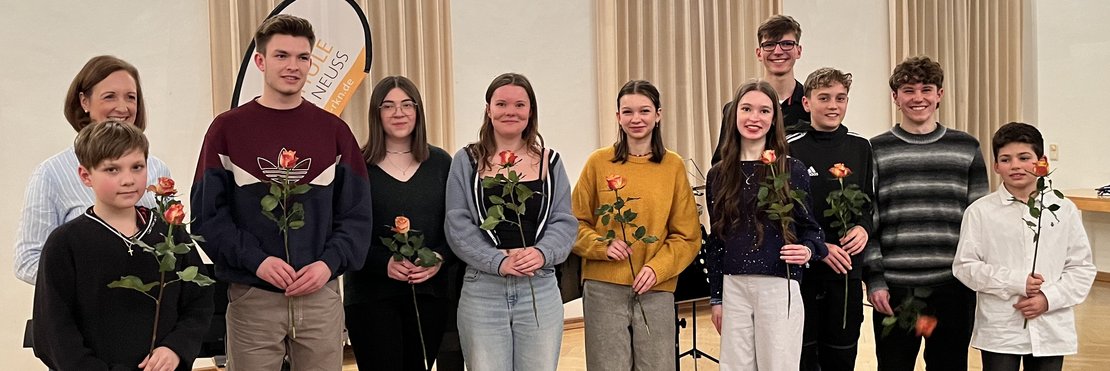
754,265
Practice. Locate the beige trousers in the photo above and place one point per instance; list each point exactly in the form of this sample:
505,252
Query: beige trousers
258,336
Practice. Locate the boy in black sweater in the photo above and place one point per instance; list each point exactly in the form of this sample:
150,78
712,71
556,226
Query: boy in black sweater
81,323
833,301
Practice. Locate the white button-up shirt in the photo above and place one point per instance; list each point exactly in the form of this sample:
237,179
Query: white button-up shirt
994,257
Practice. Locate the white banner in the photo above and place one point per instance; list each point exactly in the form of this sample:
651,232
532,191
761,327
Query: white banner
340,57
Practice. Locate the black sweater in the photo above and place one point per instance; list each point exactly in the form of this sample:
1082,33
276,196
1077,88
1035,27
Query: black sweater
422,200
820,151
81,324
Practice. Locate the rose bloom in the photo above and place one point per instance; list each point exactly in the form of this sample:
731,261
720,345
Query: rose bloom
401,225
1041,168
164,187
508,158
925,325
768,157
175,214
614,182
288,159
840,171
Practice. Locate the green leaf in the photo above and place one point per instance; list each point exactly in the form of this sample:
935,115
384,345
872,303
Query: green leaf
398,257
1040,183
426,257
417,240
296,212
489,182
523,193
300,189
1035,213
275,190
1053,207
619,204
180,248
513,177
611,234
269,203
296,224
1058,193
496,200
512,208
787,208
889,321
762,195
605,219
167,263
629,216
650,239
639,233
132,282
188,273
490,223
773,216
829,212
406,250
197,238
269,215
197,278
520,210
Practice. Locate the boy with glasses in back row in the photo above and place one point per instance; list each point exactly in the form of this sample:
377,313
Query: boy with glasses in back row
778,50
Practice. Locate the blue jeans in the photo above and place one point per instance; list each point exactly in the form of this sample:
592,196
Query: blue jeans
497,327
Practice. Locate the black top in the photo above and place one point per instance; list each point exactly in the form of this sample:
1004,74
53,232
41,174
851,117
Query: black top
509,234
820,151
422,200
82,324
794,116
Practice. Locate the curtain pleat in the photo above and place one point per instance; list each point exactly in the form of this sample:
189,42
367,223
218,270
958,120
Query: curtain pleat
696,52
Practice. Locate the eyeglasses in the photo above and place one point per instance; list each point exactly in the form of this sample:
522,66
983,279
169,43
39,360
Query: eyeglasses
406,107
786,45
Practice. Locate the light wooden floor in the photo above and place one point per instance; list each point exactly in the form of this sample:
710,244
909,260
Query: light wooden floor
1092,317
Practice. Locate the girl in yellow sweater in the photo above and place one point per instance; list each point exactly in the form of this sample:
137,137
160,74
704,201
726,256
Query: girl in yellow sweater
619,335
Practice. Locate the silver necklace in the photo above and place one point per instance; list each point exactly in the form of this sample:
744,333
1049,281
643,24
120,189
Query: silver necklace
405,170
747,178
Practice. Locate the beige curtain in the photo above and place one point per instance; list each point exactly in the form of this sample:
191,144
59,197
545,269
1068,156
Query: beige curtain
979,45
410,38
696,52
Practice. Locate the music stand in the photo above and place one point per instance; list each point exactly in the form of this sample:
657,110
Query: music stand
693,286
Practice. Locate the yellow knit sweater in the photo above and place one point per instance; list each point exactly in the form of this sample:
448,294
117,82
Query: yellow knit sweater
666,208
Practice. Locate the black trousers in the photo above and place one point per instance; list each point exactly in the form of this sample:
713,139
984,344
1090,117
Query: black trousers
1011,362
954,306
829,343
384,333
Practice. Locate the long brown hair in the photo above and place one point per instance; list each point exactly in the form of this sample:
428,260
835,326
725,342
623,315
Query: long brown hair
486,145
730,203
620,148
374,150
96,70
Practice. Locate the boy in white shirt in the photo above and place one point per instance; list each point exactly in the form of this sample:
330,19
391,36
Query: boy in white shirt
995,255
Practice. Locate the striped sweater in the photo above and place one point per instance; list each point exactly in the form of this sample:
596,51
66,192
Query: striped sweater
923,183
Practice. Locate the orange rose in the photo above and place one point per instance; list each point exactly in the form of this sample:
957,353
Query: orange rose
768,157
1041,168
401,225
288,159
614,182
840,171
175,214
925,325
164,187
508,158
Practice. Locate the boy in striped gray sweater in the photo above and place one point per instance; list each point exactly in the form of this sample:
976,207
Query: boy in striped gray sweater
926,175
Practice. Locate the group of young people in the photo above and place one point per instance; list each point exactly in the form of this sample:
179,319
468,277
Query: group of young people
501,214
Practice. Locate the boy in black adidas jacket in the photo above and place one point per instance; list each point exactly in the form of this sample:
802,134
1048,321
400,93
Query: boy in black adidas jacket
833,302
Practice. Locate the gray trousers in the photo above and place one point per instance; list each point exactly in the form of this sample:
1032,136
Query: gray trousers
616,335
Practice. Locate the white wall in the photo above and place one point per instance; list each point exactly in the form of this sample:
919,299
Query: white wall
852,36
1072,52
45,44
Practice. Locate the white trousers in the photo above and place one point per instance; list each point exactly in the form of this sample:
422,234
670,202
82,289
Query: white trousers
757,330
